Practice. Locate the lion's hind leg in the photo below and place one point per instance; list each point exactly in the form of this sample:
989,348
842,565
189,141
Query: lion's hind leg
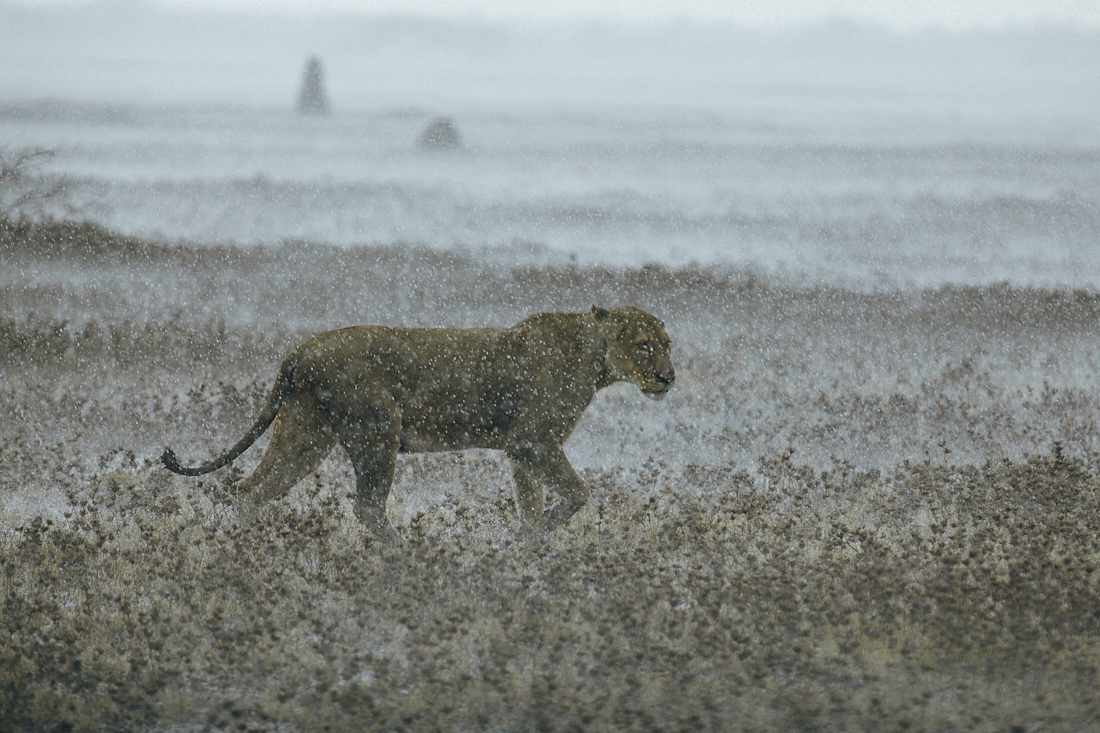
300,441
369,429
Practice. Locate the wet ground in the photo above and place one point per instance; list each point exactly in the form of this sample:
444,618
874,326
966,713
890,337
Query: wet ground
858,510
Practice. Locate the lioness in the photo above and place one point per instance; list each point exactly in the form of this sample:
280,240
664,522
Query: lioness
383,391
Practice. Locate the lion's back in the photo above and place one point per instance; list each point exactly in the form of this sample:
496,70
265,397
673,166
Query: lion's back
454,388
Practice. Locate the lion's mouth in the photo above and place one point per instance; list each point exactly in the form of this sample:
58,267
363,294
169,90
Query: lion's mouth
659,392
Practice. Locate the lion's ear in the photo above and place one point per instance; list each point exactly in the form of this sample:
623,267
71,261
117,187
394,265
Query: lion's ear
601,314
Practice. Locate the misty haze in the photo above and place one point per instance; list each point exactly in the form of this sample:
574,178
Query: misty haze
870,501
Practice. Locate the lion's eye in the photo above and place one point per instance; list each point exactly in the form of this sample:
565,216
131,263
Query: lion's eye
644,347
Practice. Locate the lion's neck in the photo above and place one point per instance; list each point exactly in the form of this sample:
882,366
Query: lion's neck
605,374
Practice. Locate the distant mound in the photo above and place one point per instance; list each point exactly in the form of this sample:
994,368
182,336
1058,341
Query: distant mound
441,134
312,99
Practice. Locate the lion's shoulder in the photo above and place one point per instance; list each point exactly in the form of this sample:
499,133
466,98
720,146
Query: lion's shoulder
555,332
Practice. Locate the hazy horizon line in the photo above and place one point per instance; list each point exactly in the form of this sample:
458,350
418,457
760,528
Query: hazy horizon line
833,20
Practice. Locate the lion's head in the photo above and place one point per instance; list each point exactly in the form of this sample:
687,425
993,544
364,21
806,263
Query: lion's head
637,349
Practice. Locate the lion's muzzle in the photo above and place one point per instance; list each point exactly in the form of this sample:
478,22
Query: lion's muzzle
665,384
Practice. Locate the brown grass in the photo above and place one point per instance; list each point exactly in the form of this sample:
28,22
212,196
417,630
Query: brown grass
933,599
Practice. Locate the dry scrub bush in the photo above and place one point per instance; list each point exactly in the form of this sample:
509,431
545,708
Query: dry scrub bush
26,194
937,598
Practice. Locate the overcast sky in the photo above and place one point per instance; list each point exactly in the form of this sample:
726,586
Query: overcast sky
899,14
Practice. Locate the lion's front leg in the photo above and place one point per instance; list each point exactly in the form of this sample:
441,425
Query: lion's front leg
540,466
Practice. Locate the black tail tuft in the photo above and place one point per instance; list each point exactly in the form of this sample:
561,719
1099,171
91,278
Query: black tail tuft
170,462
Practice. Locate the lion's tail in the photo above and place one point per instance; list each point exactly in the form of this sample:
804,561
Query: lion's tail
284,385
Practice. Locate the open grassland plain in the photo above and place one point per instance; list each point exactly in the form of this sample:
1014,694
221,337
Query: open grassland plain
857,510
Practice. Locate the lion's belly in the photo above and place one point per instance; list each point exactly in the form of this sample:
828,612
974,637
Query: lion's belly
443,419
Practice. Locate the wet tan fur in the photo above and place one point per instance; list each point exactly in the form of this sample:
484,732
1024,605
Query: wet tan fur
382,391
